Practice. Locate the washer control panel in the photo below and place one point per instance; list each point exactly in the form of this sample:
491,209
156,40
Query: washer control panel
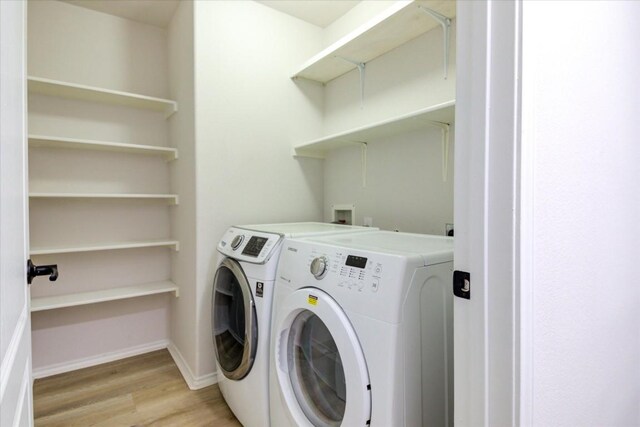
349,271
248,245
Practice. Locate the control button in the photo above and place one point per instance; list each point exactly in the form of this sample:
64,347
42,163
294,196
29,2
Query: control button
319,267
375,284
360,286
237,241
342,284
378,269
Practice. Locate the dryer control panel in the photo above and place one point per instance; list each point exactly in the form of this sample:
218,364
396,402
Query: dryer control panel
248,245
363,280
371,283
348,271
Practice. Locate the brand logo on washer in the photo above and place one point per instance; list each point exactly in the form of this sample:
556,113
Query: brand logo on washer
292,249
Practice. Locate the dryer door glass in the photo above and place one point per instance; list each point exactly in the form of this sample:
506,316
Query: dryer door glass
316,371
233,321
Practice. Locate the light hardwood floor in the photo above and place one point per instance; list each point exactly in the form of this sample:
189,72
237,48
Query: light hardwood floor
145,390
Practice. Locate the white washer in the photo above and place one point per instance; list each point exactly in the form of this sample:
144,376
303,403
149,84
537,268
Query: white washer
241,311
362,331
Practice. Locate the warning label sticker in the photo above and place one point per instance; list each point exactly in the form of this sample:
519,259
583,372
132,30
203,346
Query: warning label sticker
259,289
312,300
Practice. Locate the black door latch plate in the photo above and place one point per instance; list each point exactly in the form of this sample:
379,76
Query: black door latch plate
462,284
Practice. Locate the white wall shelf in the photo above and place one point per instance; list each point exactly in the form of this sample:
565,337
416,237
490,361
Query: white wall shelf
86,144
105,247
95,94
397,25
112,294
169,198
438,114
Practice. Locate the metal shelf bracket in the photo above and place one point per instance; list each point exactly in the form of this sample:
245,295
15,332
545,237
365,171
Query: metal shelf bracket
363,160
445,23
444,128
361,67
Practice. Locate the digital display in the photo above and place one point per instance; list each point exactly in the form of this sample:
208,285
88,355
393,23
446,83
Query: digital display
356,261
254,246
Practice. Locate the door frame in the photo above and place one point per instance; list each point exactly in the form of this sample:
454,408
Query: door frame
493,227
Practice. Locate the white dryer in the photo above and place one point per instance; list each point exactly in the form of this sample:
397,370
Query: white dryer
362,331
241,311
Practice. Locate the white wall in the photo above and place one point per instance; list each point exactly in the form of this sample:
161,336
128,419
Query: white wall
581,105
405,189
74,44
183,182
248,115
96,49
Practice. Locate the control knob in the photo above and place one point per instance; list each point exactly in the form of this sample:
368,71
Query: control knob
237,241
319,267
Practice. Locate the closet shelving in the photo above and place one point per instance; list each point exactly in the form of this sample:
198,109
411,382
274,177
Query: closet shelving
393,27
171,199
86,144
397,25
111,294
49,250
60,89
425,117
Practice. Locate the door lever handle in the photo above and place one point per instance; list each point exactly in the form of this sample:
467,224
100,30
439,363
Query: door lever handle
41,270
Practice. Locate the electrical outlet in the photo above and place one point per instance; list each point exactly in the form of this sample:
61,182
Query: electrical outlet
448,228
368,221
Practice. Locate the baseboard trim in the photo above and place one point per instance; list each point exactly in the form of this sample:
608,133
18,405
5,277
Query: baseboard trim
192,381
59,368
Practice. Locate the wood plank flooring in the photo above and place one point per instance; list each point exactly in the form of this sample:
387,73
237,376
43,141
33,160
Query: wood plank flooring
145,390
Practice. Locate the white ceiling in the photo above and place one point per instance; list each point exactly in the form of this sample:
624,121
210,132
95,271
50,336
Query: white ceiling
159,12
317,12
153,12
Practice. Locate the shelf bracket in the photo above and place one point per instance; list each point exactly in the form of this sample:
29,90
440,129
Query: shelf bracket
445,23
363,161
361,67
444,128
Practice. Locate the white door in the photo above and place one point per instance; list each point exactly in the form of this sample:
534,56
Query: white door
16,402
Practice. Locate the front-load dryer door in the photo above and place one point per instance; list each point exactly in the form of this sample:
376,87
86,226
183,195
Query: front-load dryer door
320,366
233,320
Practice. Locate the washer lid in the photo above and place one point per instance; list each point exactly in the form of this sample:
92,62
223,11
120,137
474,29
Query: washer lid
301,229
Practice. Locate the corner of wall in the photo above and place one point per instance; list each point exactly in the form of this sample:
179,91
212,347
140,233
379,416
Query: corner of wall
183,324
194,383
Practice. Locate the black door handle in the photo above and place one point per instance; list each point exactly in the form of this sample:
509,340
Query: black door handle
41,270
